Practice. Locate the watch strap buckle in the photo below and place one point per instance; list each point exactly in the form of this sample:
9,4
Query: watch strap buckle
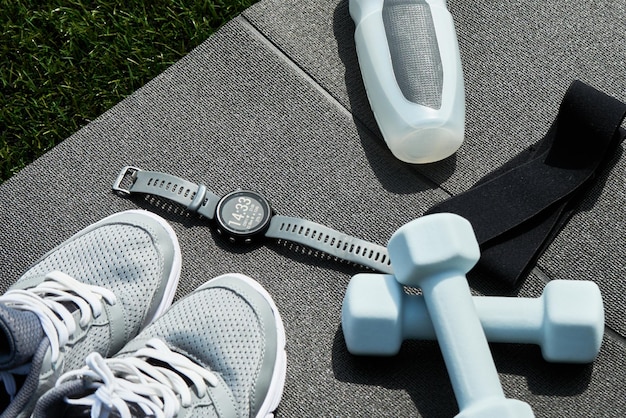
121,184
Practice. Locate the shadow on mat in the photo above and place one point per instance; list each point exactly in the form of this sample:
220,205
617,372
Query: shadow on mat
419,370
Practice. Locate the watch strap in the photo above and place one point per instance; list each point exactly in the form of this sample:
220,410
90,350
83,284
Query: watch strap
194,197
330,241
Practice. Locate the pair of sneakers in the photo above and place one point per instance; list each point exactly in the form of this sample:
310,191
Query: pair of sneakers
89,331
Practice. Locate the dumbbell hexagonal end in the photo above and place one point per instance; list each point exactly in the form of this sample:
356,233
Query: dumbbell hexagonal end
431,245
573,321
371,315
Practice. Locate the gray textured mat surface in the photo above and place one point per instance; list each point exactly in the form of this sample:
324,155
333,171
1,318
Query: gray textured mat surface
274,102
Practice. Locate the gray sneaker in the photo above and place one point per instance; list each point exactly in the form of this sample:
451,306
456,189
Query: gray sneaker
93,293
218,352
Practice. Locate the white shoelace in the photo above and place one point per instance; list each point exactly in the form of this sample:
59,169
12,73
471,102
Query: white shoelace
46,301
158,390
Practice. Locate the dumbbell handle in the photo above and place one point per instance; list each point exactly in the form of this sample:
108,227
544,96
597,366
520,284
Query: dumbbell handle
461,338
504,320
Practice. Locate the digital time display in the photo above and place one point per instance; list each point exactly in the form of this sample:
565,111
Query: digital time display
243,213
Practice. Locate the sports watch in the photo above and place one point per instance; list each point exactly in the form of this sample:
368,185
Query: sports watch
243,216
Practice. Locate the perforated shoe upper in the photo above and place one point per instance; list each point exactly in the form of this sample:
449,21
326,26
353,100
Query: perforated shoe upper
218,352
117,275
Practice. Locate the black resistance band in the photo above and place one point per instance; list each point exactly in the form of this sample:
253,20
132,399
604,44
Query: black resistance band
518,209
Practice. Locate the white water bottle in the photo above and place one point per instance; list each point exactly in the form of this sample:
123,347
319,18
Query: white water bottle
411,67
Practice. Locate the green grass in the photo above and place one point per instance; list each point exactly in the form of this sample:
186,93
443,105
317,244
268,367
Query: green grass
63,63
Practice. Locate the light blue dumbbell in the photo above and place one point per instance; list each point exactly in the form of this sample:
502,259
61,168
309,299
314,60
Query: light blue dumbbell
567,320
434,253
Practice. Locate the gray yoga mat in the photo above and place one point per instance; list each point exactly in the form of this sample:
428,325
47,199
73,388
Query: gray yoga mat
274,101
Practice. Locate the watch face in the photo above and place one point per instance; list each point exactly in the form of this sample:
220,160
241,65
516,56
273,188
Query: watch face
243,214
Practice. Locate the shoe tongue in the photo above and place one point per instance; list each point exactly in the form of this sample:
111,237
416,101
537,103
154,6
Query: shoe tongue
20,335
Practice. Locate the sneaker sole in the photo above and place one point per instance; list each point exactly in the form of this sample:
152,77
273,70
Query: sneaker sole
277,384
